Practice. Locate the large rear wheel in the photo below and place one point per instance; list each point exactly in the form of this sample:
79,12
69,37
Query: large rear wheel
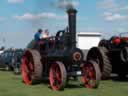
57,76
91,74
31,67
100,55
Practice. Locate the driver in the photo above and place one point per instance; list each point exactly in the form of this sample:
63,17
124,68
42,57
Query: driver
37,35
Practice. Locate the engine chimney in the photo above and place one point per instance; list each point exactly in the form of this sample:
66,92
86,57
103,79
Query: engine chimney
72,25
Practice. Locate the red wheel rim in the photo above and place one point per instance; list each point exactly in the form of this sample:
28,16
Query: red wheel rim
27,69
55,77
88,77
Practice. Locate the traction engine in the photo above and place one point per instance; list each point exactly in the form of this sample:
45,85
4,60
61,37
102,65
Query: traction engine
111,55
58,59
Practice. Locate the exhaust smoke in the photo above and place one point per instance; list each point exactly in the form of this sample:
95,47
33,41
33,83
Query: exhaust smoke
67,4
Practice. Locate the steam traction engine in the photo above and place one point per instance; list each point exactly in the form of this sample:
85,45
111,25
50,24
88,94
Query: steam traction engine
111,55
58,59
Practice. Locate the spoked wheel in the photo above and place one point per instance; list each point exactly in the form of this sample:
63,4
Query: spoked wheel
31,67
57,76
91,74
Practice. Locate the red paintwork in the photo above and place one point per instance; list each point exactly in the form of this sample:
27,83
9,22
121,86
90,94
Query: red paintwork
89,74
27,69
117,40
55,77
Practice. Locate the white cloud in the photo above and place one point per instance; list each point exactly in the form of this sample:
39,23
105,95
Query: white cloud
119,9
67,4
113,5
125,8
26,16
45,15
15,1
106,14
107,4
114,17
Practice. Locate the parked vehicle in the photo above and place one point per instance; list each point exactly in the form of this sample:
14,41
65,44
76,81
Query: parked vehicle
16,61
111,55
11,60
5,59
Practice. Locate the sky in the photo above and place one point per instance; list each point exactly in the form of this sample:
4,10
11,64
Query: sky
20,19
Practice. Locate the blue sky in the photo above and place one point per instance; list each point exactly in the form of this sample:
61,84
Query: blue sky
20,19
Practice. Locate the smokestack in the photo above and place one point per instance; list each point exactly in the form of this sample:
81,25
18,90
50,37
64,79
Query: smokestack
72,25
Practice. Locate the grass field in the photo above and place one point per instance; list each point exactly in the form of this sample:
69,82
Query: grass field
12,85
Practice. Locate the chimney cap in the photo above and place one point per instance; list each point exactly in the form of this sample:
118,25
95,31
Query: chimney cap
71,10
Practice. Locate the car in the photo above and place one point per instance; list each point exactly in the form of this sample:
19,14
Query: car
10,60
5,59
16,61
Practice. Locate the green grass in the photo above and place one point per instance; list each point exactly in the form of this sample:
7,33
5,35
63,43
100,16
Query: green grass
12,85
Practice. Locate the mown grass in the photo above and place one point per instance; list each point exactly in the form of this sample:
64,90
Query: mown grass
12,85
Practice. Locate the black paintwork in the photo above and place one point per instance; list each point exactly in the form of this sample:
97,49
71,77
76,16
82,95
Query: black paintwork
61,47
118,66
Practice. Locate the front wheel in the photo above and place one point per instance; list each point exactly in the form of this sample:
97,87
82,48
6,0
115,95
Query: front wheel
57,76
91,74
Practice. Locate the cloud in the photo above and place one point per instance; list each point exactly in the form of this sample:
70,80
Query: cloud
114,10
114,17
107,4
44,15
113,5
15,1
124,8
26,16
119,9
67,4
